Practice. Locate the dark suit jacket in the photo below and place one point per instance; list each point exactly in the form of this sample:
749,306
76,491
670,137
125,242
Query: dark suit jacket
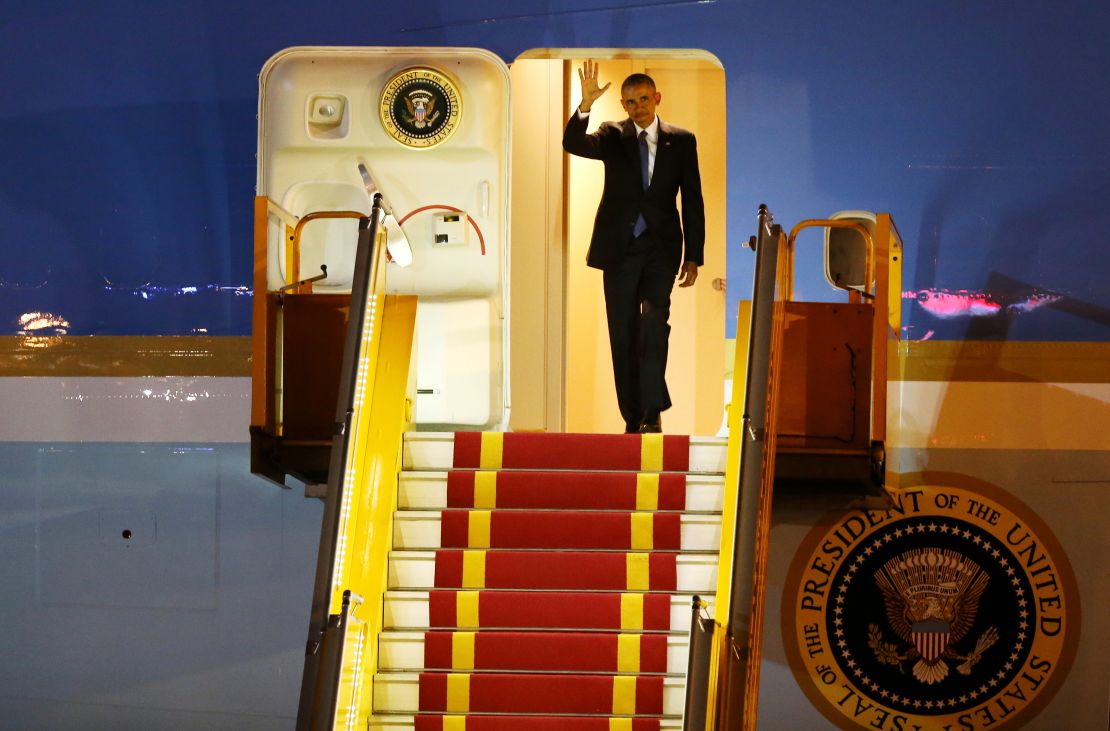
623,200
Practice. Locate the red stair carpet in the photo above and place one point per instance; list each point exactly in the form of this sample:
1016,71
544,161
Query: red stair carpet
551,606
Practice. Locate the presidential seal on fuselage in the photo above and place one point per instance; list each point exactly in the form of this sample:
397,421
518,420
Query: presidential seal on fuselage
420,107
956,610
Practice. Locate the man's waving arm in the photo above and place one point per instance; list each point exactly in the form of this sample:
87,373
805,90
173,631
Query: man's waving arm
575,139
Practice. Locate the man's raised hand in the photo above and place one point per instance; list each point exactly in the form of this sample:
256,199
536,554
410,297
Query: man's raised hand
590,90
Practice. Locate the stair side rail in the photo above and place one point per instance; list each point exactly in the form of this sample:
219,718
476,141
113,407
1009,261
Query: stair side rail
749,474
756,472
356,532
732,697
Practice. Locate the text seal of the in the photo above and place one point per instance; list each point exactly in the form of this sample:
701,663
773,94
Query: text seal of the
956,610
420,107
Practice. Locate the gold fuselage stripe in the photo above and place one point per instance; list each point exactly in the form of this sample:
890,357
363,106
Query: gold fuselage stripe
230,356
125,356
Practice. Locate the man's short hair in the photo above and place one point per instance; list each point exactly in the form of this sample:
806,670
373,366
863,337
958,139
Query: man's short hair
636,80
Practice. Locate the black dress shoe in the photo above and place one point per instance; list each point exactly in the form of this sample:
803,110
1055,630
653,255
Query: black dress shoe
632,427
652,423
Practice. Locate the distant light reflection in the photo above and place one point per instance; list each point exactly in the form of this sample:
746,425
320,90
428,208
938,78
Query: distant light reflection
949,304
151,291
180,395
42,323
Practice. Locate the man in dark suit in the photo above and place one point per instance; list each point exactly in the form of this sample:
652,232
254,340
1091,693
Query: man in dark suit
638,239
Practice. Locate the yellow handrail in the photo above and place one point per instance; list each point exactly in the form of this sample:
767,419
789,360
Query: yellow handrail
361,500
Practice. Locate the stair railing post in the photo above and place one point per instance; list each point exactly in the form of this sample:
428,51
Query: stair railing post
752,463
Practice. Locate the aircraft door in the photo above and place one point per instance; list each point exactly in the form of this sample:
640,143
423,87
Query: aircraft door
429,129
562,367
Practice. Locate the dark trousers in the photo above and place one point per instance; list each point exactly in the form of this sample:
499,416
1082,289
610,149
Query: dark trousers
637,307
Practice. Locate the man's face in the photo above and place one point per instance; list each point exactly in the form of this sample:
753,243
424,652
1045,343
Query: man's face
640,102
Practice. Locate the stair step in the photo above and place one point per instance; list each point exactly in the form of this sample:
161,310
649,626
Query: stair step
529,693
569,490
448,722
424,451
543,582
575,652
612,571
555,529
548,610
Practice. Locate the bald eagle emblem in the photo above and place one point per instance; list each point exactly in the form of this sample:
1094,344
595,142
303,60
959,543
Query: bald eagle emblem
420,107
931,596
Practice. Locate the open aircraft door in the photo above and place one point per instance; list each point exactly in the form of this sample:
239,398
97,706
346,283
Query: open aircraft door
428,128
381,259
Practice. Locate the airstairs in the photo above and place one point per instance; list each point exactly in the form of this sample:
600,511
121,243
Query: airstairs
545,581
497,581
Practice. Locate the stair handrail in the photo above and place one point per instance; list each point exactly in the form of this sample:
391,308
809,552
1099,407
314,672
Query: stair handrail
749,479
371,412
756,479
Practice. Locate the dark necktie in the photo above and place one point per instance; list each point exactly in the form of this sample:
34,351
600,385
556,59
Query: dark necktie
645,179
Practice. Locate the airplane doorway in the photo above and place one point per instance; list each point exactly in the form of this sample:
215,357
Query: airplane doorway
561,370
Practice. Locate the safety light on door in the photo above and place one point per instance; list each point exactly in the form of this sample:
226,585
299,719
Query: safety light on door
326,116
